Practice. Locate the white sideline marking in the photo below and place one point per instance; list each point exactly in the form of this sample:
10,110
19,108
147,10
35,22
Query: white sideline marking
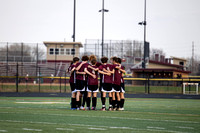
185,127
175,121
44,102
28,129
121,128
170,131
3,131
65,129
162,128
97,128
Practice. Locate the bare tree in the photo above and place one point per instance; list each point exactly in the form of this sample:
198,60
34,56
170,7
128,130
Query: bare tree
193,65
20,51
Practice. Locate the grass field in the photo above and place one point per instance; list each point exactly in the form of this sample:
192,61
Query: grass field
23,115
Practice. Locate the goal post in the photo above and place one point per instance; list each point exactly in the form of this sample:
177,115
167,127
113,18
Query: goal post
187,84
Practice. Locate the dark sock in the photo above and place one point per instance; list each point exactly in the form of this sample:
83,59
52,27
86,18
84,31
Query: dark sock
103,101
118,104
73,103
88,102
122,103
84,98
113,103
78,104
94,102
110,101
80,101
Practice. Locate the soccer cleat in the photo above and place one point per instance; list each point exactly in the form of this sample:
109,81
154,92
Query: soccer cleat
103,109
110,109
93,108
122,109
73,108
114,109
87,108
82,108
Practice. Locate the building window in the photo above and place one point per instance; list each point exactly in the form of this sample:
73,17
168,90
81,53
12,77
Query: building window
51,51
62,51
67,51
72,51
57,51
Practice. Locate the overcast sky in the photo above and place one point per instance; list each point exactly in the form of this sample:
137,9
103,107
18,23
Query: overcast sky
172,25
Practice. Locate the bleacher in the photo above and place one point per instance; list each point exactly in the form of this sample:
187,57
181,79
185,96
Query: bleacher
33,69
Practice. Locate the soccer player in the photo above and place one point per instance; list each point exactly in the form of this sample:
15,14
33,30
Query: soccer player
81,81
93,83
106,82
72,82
92,87
97,64
122,90
116,83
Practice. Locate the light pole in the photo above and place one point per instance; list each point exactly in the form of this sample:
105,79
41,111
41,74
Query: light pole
74,27
144,23
103,10
74,22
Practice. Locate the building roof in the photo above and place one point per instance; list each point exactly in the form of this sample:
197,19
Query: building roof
158,70
163,63
178,58
167,64
64,43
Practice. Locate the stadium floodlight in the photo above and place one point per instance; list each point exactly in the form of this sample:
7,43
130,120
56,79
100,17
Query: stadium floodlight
103,10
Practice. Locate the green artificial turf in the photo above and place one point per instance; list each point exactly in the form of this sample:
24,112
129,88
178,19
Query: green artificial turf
28,114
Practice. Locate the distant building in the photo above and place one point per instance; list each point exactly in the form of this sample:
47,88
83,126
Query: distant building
162,67
62,51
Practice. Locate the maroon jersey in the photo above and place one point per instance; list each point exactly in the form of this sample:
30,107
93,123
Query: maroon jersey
81,76
98,64
106,78
91,80
117,76
122,78
73,75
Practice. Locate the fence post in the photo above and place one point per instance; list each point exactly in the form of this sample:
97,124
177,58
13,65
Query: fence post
148,90
39,79
60,84
65,81
17,78
189,86
7,61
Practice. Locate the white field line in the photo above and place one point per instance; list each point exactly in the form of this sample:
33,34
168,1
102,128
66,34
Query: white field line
82,125
101,129
3,131
28,129
184,127
44,102
160,128
65,129
122,118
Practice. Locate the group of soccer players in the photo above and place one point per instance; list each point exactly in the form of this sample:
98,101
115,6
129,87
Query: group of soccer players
84,82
